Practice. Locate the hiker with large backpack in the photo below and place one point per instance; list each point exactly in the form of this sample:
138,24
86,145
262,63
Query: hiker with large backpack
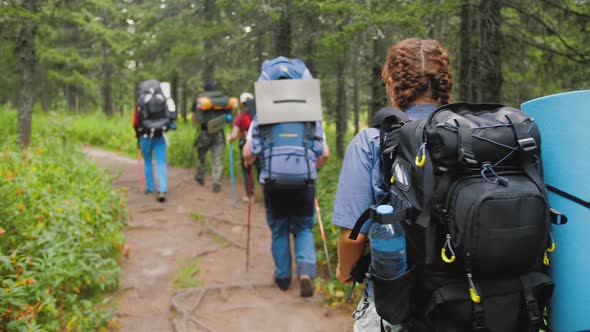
417,65
211,111
154,114
463,182
290,151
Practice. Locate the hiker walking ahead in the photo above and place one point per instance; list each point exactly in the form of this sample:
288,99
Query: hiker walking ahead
153,116
290,153
210,111
417,76
240,129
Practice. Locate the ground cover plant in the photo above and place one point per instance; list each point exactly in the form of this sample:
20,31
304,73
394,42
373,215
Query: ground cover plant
60,237
116,134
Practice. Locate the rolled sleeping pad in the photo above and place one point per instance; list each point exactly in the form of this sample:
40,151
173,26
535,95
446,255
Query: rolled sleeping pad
564,122
216,124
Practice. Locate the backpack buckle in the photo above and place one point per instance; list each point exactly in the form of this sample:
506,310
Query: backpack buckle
527,144
468,157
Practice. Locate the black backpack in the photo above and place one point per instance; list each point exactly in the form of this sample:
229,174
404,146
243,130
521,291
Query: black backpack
153,113
467,185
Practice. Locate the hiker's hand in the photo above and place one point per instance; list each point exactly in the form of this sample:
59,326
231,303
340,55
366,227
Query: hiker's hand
230,138
341,277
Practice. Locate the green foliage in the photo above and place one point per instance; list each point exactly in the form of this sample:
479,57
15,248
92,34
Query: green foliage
60,237
186,276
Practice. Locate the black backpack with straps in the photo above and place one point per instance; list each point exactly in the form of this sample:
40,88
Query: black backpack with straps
153,112
467,184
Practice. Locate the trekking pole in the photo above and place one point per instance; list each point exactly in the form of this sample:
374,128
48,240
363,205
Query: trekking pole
139,166
249,217
231,172
317,208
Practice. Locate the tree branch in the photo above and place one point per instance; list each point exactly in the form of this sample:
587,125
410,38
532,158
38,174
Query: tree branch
548,28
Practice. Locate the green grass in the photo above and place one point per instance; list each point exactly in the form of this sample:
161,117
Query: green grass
186,276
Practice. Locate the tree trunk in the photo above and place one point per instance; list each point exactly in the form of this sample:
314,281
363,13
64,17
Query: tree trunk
489,52
341,109
208,73
378,94
44,92
107,90
465,53
86,102
174,87
312,27
183,100
28,62
283,35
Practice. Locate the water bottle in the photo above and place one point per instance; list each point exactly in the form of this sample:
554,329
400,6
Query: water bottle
388,244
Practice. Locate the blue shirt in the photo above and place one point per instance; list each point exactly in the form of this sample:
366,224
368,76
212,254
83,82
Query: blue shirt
360,175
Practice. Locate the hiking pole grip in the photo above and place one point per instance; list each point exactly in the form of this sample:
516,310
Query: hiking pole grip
317,208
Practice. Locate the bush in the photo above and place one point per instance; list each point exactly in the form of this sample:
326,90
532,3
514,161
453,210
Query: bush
60,238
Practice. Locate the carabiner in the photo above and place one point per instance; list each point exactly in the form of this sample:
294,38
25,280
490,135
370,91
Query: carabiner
546,259
443,252
421,157
552,248
472,291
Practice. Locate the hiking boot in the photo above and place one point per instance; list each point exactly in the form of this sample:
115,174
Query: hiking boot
283,283
200,179
161,197
305,286
216,188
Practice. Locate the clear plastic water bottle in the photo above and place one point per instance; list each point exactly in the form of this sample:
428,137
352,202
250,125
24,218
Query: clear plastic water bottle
388,244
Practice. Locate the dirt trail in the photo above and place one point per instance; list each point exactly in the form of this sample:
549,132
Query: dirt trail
166,237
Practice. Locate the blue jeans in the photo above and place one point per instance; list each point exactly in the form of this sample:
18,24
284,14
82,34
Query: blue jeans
305,255
157,146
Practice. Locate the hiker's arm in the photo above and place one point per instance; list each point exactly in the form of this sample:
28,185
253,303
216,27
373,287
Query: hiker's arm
249,158
234,134
349,253
353,196
324,156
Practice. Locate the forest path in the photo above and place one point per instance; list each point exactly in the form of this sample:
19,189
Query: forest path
198,239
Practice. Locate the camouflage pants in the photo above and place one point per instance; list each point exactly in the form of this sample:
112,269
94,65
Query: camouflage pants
214,142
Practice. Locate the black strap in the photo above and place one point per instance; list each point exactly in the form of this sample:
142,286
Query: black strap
569,196
527,143
465,142
270,145
366,215
306,134
479,318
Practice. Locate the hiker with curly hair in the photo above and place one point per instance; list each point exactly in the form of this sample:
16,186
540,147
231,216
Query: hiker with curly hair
418,80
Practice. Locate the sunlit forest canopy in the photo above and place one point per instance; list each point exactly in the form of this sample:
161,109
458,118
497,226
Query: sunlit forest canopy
81,55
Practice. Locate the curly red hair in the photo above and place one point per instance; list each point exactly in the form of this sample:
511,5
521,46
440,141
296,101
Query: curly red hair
417,68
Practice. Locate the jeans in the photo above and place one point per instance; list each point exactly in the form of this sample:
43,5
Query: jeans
157,146
305,255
